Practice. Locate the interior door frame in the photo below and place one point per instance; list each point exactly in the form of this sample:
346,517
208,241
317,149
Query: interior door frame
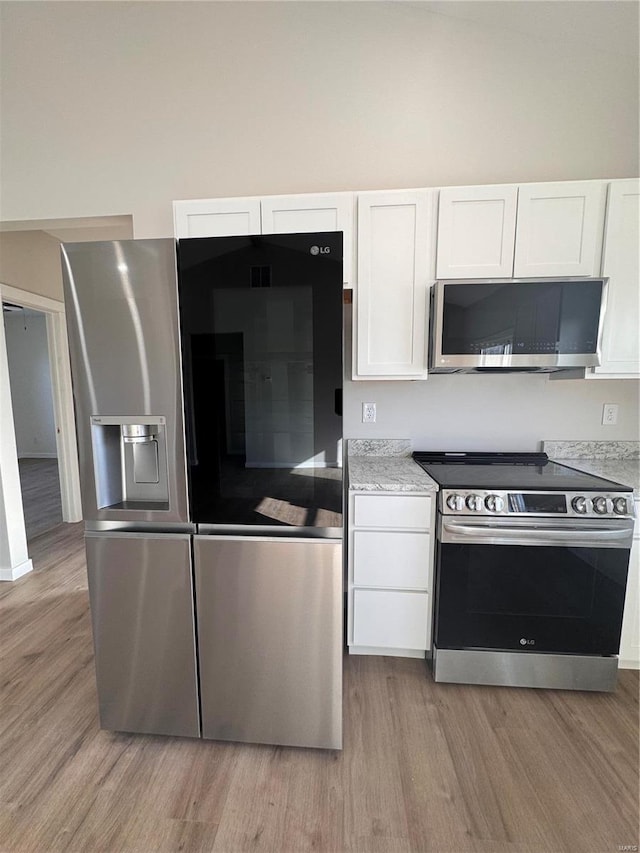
64,415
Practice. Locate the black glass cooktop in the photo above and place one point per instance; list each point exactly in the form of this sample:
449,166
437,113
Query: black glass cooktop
525,471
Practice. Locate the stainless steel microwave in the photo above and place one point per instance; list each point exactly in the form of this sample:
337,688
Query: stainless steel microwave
497,325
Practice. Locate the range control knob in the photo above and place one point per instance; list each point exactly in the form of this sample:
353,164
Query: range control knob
494,503
600,505
455,502
579,504
620,505
474,503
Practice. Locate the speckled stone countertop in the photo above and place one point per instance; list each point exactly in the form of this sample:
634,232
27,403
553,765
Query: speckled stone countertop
615,460
385,465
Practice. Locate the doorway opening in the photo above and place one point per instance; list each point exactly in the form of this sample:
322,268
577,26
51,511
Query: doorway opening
33,417
29,268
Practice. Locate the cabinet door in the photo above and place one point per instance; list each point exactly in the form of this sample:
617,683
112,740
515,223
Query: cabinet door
621,263
476,231
395,267
382,618
216,217
560,228
291,214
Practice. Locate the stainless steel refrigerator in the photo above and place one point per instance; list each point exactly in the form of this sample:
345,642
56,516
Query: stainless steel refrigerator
207,382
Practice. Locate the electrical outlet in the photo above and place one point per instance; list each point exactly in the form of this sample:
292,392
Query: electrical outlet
609,414
368,413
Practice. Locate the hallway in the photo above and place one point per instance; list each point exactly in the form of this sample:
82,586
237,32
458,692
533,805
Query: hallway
40,495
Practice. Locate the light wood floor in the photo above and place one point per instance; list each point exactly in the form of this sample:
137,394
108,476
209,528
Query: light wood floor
425,767
40,485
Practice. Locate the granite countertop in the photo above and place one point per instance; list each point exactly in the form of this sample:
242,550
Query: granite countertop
614,460
388,474
385,465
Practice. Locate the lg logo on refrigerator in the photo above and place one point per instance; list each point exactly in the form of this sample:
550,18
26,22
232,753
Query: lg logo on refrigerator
320,250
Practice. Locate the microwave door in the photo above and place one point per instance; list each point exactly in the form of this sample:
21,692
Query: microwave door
516,324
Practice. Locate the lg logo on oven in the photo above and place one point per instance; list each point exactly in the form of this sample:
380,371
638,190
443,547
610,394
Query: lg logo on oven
320,250
525,642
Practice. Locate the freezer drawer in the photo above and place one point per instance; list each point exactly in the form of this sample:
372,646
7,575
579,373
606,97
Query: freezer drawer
141,597
270,639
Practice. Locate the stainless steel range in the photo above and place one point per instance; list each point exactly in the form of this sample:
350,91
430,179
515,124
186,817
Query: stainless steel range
531,571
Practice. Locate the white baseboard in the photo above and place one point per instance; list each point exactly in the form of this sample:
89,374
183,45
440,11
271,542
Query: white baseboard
37,455
16,572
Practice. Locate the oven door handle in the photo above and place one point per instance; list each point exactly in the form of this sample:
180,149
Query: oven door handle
455,532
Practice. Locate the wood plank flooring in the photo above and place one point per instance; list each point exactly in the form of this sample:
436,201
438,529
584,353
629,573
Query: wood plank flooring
40,485
425,767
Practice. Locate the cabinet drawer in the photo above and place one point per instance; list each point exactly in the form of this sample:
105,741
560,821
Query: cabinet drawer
392,511
391,559
392,619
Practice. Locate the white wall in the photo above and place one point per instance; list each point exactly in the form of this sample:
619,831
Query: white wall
112,108
30,260
476,412
30,380
119,108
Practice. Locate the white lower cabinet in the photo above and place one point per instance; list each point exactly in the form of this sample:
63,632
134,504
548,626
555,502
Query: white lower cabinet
374,551
398,512
630,640
392,619
390,573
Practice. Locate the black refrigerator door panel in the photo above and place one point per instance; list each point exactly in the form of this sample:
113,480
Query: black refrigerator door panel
140,587
270,639
261,322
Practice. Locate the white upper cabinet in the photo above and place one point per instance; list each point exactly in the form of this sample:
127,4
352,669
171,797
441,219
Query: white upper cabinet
560,228
396,264
281,214
216,217
527,231
476,231
289,214
621,264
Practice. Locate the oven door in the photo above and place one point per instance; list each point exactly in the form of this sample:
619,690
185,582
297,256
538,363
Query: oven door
547,585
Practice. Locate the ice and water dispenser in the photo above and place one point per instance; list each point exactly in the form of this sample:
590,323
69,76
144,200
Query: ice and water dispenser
130,462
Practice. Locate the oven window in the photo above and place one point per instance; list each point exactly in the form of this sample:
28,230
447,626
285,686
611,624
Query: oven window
519,584
546,599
